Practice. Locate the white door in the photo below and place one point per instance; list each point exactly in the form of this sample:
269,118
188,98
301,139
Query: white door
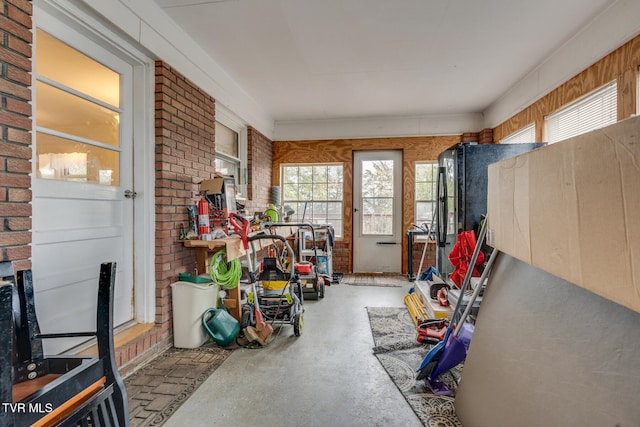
377,218
82,168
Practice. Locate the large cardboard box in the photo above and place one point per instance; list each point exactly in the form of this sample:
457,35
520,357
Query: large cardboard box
573,209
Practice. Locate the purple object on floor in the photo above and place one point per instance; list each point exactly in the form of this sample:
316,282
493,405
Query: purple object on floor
454,352
439,388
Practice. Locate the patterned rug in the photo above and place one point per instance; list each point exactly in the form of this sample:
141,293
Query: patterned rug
400,354
390,280
158,389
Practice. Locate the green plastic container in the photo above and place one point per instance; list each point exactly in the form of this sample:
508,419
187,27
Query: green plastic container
220,325
185,277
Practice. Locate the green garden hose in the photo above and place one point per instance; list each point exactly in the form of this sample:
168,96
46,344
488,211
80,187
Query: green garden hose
223,273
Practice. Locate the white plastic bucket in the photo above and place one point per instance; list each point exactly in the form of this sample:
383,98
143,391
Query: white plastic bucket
190,300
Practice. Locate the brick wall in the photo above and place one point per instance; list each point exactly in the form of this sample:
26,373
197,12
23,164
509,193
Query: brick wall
429,256
259,156
184,156
15,139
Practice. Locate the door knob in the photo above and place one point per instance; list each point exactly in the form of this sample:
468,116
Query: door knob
130,194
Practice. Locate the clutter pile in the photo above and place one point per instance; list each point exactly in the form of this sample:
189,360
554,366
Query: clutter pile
449,332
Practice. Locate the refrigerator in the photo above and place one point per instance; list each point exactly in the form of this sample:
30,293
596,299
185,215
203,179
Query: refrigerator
462,191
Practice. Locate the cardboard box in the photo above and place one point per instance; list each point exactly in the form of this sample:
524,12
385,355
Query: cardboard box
573,209
221,192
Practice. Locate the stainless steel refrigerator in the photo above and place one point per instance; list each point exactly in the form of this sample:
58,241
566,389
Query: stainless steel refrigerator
462,191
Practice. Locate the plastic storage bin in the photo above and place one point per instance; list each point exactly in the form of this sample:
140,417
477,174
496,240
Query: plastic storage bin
190,300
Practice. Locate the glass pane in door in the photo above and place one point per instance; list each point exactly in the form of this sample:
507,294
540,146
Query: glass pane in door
377,197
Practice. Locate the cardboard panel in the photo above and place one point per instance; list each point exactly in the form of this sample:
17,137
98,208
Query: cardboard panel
573,210
548,353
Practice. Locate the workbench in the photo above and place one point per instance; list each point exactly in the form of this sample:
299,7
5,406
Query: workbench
204,249
233,245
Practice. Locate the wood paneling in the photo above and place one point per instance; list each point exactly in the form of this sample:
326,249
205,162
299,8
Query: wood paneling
415,149
621,65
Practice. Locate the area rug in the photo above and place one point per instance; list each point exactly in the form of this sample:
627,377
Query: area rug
396,348
386,280
158,389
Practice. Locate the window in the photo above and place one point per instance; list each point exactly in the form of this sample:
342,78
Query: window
231,148
78,119
522,136
425,195
315,192
594,111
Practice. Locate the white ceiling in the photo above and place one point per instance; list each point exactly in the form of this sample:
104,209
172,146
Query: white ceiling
354,59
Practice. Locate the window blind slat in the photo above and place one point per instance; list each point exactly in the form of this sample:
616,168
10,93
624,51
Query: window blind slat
594,111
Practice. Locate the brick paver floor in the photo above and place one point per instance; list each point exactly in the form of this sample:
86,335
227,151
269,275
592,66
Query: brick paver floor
159,388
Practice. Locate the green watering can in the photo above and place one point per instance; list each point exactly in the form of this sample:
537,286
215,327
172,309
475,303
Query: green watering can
220,325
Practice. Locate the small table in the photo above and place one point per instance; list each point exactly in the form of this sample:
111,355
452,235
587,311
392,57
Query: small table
235,249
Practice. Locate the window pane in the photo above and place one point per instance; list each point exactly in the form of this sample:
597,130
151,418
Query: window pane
334,174
320,174
63,112
524,135
226,140
334,210
66,160
334,192
377,216
305,174
227,167
424,212
594,111
290,192
321,187
425,194
306,192
290,175
377,178
63,64
320,191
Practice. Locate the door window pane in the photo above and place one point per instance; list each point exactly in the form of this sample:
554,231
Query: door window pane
64,112
65,65
377,197
67,160
77,116
377,216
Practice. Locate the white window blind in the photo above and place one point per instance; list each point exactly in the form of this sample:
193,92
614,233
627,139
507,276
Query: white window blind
522,136
594,111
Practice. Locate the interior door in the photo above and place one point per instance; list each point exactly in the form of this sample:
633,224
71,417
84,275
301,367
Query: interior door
377,219
83,159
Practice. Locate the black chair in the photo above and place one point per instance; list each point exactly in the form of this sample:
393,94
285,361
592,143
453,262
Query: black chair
57,390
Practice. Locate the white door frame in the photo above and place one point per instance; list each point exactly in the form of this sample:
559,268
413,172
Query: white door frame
377,253
65,19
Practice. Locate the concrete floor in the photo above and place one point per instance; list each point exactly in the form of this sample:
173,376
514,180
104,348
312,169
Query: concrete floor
326,377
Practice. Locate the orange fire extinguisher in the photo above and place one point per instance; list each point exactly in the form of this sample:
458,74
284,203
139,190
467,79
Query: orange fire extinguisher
203,217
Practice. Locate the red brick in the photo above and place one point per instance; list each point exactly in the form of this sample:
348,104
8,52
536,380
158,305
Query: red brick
20,16
19,165
19,224
15,180
18,252
17,90
20,46
12,27
24,5
21,136
19,195
14,120
15,210
16,238
19,75
18,106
